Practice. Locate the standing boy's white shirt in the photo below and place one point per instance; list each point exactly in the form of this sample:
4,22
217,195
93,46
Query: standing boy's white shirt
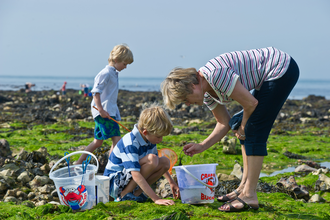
106,83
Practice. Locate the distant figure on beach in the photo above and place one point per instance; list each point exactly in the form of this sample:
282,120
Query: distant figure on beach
134,163
63,88
85,89
105,94
270,73
28,86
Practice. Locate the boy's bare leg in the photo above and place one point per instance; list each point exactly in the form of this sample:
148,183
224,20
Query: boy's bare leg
152,168
115,140
90,148
163,167
244,176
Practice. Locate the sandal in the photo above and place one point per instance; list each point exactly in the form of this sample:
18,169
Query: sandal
233,209
226,198
143,197
129,196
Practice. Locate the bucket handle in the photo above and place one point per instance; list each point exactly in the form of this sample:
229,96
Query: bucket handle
190,174
74,153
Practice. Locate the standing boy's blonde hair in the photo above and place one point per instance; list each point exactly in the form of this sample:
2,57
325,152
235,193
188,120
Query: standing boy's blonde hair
177,85
156,121
121,53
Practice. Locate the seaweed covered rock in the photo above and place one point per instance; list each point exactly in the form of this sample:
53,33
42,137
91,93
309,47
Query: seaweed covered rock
323,183
4,148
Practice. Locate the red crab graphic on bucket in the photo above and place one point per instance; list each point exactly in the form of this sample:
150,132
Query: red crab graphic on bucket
209,179
73,197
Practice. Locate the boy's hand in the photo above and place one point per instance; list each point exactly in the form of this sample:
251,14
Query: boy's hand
175,190
104,114
164,202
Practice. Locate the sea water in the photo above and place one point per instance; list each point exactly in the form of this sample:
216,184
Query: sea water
291,169
303,88
56,82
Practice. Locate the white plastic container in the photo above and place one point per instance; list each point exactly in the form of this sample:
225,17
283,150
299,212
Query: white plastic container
76,190
102,185
197,183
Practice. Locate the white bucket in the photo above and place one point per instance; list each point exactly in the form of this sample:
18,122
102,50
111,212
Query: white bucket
102,187
197,183
76,190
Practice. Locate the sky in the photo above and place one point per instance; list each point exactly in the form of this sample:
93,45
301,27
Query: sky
75,37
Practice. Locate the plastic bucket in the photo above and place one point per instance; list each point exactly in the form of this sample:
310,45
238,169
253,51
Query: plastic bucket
197,182
76,190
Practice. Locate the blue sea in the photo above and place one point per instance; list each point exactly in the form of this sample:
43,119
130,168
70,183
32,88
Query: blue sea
303,88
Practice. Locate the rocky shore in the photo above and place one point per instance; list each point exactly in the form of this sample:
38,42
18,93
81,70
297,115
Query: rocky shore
48,107
24,175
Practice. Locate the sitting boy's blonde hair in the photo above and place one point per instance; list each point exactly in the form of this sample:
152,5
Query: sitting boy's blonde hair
177,85
156,121
121,53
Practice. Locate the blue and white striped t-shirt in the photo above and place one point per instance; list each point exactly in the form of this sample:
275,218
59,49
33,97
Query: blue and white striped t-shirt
250,67
128,152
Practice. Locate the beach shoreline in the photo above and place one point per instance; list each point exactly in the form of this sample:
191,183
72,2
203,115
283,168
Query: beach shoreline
21,89
74,105
302,89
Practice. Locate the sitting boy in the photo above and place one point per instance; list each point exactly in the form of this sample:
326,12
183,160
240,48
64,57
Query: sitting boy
134,164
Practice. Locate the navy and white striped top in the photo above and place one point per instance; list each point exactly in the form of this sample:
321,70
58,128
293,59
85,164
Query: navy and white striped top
250,67
128,152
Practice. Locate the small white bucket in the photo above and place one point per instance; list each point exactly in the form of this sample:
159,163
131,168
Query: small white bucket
102,187
197,183
76,190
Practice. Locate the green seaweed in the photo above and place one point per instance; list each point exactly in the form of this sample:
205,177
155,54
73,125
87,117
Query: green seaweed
62,136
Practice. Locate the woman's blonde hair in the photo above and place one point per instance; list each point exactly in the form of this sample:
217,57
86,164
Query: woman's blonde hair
121,53
177,85
156,121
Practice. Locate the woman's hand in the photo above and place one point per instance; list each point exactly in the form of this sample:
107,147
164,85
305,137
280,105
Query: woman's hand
240,134
192,148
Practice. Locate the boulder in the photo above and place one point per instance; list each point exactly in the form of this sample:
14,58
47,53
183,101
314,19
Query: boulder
316,198
4,148
304,168
323,183
237,171
229,145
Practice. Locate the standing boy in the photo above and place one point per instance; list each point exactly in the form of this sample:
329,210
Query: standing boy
105,94
134,164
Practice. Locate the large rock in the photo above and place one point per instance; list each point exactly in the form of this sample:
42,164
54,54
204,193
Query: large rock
39,181
304,168
323,183
321,170
229,145
4,148
163,189
293,189
225,177
316,198
237,171
4,99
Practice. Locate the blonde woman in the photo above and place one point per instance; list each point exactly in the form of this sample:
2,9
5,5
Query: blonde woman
271,73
